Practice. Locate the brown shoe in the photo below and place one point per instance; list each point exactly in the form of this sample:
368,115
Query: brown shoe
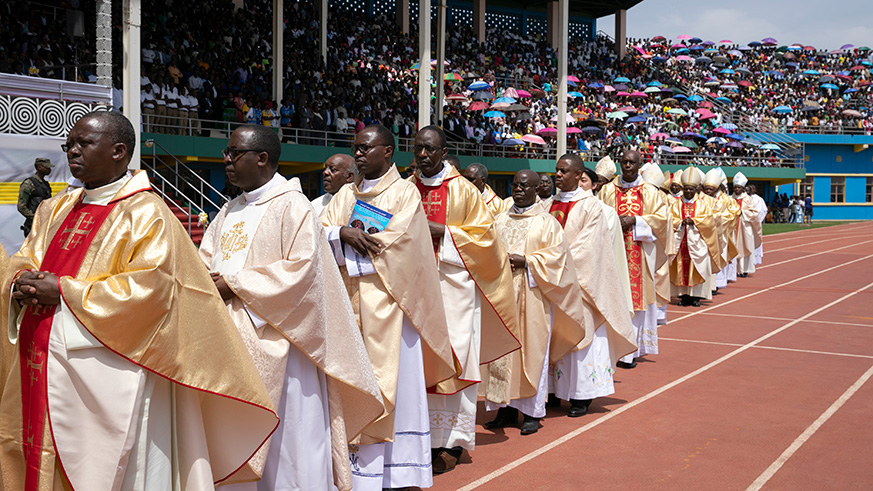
444,461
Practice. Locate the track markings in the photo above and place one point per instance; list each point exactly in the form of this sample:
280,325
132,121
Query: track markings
759,317
775,348
573,434
812,255
809,432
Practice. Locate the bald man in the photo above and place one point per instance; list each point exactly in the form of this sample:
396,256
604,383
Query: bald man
478,175
339,170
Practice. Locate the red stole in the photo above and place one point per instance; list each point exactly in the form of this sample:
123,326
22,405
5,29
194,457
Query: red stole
62,258
561,210
433,199
688,211
630,202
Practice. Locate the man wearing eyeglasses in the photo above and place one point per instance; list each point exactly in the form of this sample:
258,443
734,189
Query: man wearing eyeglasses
475,281
394,288
120,337
264,248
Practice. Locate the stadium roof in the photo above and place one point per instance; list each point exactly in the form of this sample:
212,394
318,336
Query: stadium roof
578,8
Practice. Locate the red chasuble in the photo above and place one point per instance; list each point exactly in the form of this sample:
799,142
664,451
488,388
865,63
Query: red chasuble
688,211
560,210
433,199
630,202
63,258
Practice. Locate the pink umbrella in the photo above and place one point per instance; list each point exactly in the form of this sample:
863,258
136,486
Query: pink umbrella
683,58
683,36
510,92
726,41
681,150
534,139
628,109
572,129
721,131
640,50
639,94
477,106
677,46
659,136
608,88
622,94
500,105
548,131
523,94
571,78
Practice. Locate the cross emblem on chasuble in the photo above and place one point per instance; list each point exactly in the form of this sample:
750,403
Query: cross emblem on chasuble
77,232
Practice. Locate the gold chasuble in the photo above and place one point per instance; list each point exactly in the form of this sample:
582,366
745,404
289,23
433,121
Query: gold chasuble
456,203
589,241
700,241
539,238
730,212
289,258
643,259
406,283
130,277
495,204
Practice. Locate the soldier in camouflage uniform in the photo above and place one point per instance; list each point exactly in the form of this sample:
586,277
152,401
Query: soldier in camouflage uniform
33,191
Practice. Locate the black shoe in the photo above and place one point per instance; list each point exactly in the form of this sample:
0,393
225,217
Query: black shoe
683,300
530,425
445,459
743,275
695,302
506,416
625,365
553,401
578,407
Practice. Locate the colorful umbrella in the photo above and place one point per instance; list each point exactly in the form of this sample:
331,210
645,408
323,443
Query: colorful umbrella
522,94
480,85
478,106
494,114
531,138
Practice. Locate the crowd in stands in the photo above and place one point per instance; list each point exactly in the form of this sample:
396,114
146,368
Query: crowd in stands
677,101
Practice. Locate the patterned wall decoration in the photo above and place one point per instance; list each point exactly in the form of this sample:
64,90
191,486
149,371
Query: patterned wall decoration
41,117
502,22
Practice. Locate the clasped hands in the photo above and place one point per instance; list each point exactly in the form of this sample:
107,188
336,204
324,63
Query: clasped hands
36,288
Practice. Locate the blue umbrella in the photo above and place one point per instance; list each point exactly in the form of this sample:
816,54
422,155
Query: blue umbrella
727,71
782,109
680,97
811,72
480,85
776,74
645,115
659,59
571,83
575,94
595,85
792,64
682,51
695,98
494,114
755,44
723,99
734,136
654,83
623,80
729,126
508,100
849,91
636,119
690,134
828,86
770,146
513,141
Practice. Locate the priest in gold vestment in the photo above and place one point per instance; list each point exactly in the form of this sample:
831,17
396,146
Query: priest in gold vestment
696,231
748,227
727,210
477,174
127,371
475,283
550,308
642,210
392,280
264,248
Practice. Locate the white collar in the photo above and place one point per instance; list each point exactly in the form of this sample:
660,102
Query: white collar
626,185
104,194
692,200
368,184
565,196
676,195
521,211
437,179
254,195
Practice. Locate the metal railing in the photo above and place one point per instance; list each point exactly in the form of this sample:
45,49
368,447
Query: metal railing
826,130
170,200
179,176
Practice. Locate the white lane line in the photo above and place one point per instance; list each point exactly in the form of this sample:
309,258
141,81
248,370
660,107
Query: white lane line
810,430
759,317
818,232
775,348
812,255
573,434
758,292
818,242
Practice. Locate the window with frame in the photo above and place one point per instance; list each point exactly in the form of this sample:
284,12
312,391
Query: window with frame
869,193
838,189
805,187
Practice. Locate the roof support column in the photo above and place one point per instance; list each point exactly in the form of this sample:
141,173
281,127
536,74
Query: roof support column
479,20
322,27
424,63
279,50
402,10
563,38
441,58
621,33
131,71
552,21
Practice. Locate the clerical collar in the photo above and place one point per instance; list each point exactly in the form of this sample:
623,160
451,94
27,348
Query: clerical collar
75,183
738,196
437,179
565,196
521,211
104,194
676,195
625,185
368,184
689,200
254,195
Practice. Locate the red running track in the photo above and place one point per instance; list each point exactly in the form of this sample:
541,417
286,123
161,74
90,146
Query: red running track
765,387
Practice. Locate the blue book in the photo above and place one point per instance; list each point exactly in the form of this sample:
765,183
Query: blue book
369,218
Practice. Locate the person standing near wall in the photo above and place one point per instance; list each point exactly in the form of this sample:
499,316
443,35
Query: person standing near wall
33,191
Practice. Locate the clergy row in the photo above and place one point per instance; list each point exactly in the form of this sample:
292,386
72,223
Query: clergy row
338,344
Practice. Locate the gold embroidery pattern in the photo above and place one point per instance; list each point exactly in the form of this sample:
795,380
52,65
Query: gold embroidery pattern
513,234
79,231
234,240
630,202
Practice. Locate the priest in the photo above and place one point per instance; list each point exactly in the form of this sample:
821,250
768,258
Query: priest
381,241
128,373
477,174
643,212
696,231
549,304
475,283
267,246
748,227
726,210
339,170
586,373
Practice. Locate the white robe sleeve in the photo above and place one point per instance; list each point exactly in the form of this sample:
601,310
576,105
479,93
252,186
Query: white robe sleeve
355,263
448,252
642,231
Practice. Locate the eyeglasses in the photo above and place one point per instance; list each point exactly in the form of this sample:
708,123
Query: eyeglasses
234,153
364,148
427,148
